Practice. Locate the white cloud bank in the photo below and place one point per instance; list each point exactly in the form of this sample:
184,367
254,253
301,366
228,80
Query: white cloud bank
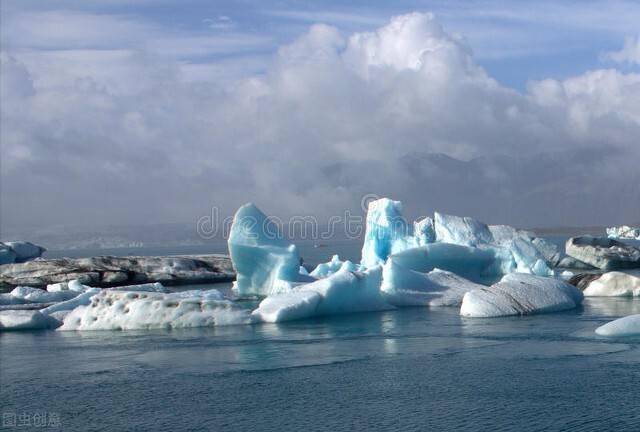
91,134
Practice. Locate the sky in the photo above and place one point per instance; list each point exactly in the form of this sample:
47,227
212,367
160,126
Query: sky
120,112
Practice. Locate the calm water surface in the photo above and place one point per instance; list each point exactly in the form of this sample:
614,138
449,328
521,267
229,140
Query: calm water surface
410,369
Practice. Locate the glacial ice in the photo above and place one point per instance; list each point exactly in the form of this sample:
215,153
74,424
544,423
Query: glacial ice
386,232
472,263
463,231
405,287
122,310
19,251
81,299
264,263
11,320
615,284
27,294
520,294
323,270
342,292
466,246
624,232
627,326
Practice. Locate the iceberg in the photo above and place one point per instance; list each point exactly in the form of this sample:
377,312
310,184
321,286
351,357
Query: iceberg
627,326
472,263
615,284
603,253
19,252
342,292
386,232
264,263
405,287
326,269
26,294
463,231
82,299
11,320
129,310
520,294
624,232
491,250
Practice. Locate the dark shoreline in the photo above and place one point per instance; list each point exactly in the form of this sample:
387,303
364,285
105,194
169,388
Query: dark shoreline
110,271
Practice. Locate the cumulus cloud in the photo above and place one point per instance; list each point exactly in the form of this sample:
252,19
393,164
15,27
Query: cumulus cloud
120,135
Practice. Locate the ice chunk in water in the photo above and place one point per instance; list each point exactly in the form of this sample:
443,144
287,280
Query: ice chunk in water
627,326
340,293
26,320
521,294
405,287
264,263
615,284
122,310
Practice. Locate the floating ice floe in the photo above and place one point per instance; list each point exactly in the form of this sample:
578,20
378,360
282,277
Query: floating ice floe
264,263
342,292
520,294
624,232
627,326
615,284
121,310
405,287
25,294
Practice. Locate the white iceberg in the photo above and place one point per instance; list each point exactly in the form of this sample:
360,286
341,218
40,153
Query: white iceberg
122,310
323,270
520,294
627,326
264,263
81,299
624,232
615,284
464,231
11,320
405,287
340,293
27,294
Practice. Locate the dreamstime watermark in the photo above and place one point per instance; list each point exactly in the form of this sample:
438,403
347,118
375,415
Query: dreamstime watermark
348,225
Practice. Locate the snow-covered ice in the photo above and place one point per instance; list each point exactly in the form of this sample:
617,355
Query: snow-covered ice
627,326
340,293
264,263
122,310
624,232
520,294
615,284
404,287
